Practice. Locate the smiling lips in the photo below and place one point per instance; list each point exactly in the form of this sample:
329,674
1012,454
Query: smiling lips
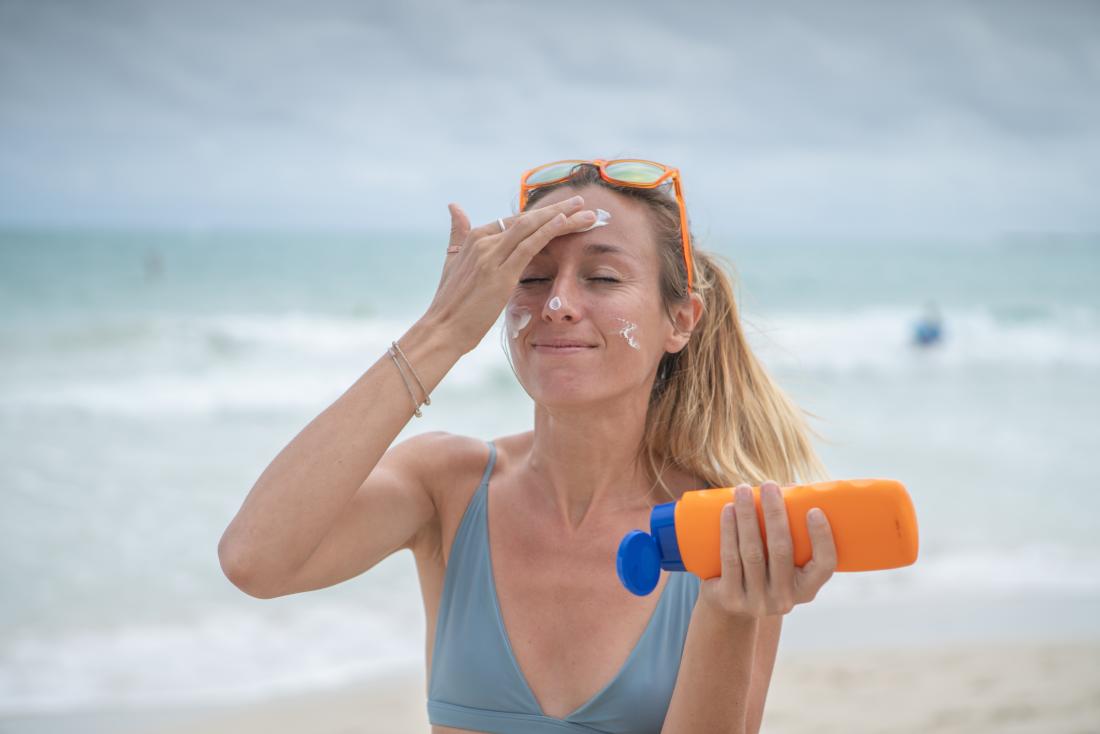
561,343
561,346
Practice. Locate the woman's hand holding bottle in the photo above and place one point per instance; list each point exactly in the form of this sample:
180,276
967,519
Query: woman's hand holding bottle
758,584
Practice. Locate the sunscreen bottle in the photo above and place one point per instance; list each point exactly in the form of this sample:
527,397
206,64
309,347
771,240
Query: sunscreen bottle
873,524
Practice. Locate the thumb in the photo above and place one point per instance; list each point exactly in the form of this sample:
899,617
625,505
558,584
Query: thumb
460,225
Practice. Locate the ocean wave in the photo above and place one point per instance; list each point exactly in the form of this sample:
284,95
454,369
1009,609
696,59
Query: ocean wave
226,655
297,360
1035,568
880,340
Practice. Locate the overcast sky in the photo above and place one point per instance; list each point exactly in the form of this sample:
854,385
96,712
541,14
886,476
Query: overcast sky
906,118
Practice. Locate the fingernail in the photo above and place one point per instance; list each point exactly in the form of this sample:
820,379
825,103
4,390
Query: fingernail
744,493
575,200
817,516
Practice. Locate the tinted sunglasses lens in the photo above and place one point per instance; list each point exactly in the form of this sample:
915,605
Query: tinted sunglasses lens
635,172
552,172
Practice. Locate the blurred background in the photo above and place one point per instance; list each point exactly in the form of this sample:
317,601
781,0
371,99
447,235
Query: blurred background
215,217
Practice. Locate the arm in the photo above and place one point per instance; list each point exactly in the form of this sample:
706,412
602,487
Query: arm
722,687
334,502
733,636
337,500
767,645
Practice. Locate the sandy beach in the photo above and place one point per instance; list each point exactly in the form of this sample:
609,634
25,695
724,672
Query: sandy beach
991,688
1047,688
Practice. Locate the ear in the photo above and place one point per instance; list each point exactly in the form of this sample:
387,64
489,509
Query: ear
685,316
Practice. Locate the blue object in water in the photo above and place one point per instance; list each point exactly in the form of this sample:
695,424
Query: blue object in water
927,332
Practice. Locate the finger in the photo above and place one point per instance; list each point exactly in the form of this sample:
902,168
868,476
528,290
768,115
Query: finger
780,546
732,578
460,225
813,575
522,226
751,545
729,552
557,226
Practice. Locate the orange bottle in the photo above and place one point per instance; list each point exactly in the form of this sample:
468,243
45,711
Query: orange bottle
873,523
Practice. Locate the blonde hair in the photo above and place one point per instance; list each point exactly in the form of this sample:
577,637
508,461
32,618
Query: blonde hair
714,411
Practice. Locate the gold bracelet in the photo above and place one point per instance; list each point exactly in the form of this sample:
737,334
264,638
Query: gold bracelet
427,400
408,386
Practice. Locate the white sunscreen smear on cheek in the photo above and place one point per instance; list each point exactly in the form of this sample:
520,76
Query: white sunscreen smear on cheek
628,332
517,320
555,303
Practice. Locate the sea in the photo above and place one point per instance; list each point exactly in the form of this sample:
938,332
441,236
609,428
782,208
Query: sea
148,378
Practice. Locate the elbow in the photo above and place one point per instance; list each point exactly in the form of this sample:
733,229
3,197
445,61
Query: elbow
235,568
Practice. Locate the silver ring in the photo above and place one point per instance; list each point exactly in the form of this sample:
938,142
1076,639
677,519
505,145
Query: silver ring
500,221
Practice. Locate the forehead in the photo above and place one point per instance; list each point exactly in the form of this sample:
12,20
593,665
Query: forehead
628,234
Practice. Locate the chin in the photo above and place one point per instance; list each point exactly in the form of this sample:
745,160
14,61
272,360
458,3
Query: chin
566,391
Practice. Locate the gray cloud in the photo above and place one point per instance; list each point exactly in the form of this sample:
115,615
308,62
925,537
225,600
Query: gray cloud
908,118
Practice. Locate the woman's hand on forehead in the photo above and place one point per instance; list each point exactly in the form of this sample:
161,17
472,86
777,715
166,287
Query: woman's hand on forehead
484,264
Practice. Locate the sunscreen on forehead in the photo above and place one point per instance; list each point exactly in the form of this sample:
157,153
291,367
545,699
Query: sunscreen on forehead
602,218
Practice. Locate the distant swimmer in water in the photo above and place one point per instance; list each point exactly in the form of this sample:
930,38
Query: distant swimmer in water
154,265
929,330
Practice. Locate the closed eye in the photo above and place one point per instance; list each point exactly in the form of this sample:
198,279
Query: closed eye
604,279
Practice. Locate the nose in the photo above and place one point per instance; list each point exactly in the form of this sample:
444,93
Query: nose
561,303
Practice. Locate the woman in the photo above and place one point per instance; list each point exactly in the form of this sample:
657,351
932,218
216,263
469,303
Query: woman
630,346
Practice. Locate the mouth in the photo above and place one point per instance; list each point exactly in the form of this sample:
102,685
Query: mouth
561,347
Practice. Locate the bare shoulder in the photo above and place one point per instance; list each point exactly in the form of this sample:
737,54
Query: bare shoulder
448,466
450,459
443,458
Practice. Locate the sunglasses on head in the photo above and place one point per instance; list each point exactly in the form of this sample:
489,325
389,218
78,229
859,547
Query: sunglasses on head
634,172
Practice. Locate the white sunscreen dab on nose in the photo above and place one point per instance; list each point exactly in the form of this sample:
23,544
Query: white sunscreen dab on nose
602,218
555,303
517,320
627,332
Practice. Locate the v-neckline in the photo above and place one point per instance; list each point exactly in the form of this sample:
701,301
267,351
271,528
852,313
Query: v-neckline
508,641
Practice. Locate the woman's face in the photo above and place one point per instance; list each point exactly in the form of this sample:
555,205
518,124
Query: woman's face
597,290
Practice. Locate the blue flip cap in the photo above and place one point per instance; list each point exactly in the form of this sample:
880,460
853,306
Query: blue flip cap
638,562
642,555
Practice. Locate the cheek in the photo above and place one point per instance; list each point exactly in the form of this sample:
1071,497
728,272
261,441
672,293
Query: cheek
629,331
517,318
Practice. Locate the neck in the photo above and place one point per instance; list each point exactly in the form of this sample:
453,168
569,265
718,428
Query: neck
584,462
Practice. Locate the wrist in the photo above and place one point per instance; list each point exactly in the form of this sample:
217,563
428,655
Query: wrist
445,334
715,615
433,336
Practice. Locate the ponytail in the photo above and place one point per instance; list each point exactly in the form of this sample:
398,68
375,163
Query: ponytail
714,411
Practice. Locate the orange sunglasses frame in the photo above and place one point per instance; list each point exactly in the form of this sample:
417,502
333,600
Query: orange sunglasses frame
669,172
